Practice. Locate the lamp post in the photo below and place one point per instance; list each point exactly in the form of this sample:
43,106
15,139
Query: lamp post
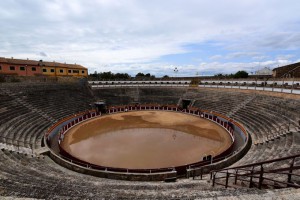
175,71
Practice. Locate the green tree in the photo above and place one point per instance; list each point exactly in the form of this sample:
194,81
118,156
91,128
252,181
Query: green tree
140,74
241,74
219,75
122,76
165,77
106,75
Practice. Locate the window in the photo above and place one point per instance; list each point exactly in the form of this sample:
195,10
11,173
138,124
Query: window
22,68
44,70
61,71
82,71
33,69
52,70
12,68
75,71
69,71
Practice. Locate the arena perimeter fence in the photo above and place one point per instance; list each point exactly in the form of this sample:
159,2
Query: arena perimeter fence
227,123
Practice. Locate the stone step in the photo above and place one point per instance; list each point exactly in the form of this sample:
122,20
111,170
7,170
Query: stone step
18,149
42,150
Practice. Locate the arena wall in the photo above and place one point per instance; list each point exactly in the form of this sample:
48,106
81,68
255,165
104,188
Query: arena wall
56,134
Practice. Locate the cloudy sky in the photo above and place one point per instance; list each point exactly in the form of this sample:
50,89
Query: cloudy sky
197,36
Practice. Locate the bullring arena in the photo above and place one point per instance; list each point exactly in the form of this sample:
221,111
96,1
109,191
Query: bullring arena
146,139
231,143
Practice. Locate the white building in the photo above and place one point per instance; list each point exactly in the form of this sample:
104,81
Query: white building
264,71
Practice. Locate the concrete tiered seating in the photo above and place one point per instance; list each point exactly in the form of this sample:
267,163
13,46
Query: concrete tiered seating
26,111
58,100
161,95
41,178
29,109
210,100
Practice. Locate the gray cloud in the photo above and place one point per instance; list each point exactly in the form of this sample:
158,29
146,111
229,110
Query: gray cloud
118,33
242,54
285,57
43,54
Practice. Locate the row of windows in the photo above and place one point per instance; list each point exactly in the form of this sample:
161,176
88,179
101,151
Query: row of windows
52,70
62,71
12,68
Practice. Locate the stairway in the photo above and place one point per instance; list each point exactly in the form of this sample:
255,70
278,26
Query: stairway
179,102
240,106
190,94
18,149
134,94
192,103
29,106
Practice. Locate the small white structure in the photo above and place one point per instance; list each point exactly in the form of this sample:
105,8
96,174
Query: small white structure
264,71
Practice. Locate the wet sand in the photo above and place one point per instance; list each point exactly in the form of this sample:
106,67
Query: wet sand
145,139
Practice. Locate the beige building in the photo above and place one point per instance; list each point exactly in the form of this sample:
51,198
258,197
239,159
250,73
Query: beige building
22,67
288,71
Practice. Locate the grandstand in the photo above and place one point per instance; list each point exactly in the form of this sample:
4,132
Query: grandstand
271,118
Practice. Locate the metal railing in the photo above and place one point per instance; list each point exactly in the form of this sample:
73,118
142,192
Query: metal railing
268,173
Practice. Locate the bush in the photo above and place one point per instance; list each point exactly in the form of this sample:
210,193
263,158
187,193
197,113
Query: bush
241,74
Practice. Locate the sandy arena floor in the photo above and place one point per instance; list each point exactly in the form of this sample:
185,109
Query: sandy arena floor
145,140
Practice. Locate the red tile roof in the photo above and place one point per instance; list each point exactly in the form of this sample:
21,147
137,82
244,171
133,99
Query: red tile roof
13,61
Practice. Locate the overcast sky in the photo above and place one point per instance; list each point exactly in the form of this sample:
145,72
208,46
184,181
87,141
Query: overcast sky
153,36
